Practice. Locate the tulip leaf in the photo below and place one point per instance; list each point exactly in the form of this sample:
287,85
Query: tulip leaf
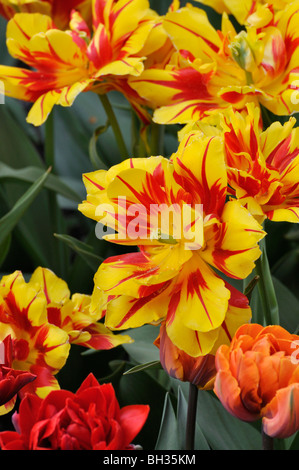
34,232
266,288
143,388
168,433
288,306
222,430
143,350
293,441
4,249
250,287
10,220
117,367
94,156
19,149
30,174
82,249
149,365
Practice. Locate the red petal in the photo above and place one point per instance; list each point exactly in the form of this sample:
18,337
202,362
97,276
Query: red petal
132,419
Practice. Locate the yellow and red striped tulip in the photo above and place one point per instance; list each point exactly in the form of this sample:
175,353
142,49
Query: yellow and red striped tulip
43,320
262,165
172,277
211,69
37,344
11,380
255,12
57,9
64,63
258,377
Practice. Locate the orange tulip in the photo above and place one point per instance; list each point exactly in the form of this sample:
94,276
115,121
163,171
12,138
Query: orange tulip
199,371
258,377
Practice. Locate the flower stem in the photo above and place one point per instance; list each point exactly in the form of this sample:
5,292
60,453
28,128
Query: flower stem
115,126
191,417
157,139
49,141
266,288
267,442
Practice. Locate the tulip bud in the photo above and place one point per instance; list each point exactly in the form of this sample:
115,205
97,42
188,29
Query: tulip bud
199,371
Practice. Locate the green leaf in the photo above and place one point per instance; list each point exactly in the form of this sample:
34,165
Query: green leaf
10,220
256,307
117,367
200,442
143,388
143,350
248,290
293,442
266,288
168,433
286,269
34,232
288,307
30,174
141,367
222,430
94,156
82,249
19,150
4,249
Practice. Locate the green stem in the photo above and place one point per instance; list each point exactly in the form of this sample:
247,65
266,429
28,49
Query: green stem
49,141
157,139
137,145
115,126
266,288
191,417
267,442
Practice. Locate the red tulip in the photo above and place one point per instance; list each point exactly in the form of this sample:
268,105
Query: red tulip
90,419
11,380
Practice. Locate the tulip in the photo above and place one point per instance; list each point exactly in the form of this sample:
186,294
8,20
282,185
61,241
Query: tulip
11,380
211,70
258,378
43,321
90,419
174,274
64,63
199,371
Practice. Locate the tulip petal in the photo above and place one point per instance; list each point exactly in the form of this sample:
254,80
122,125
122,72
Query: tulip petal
281,417
237,248
132,419
202,155
45,103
